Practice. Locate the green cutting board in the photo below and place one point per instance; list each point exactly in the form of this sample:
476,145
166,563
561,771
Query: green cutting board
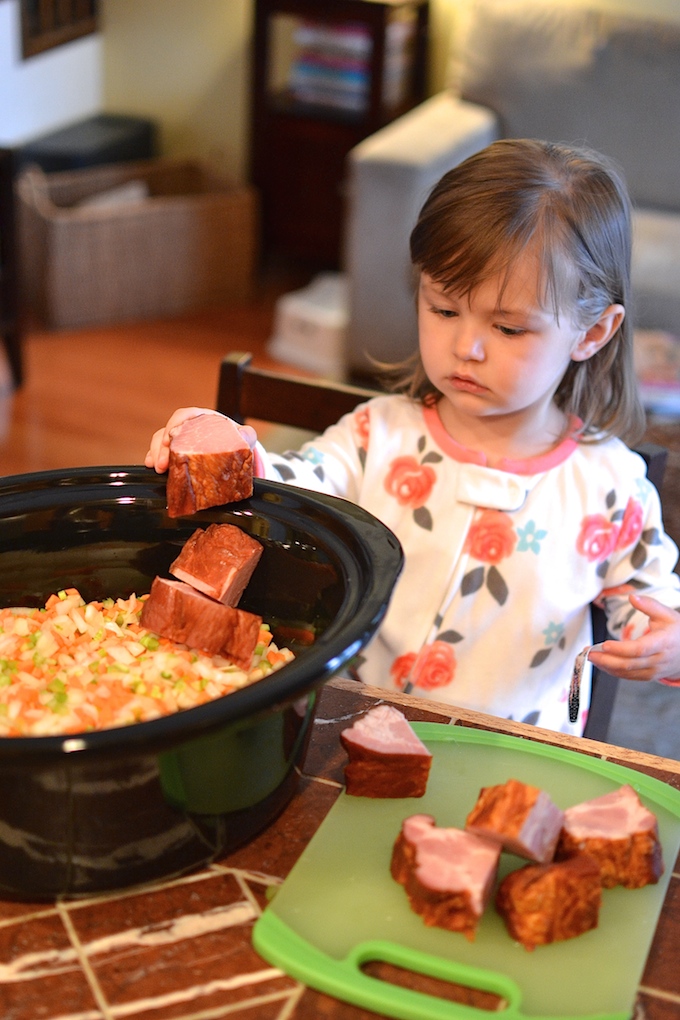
339,908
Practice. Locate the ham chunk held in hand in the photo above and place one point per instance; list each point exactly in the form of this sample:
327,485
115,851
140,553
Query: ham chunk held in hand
620,833
386,757
522,818
448,874
210,464
219,561
177,611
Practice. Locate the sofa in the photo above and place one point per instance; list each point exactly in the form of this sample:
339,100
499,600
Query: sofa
574,72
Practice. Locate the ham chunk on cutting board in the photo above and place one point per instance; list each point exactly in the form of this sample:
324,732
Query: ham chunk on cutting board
386,757
522,818
177,611
448,874
543,903
210,464
219,561
620,833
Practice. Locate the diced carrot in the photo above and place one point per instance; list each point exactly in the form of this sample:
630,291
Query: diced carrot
274,656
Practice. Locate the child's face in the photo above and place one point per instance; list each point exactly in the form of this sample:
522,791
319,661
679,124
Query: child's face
497,352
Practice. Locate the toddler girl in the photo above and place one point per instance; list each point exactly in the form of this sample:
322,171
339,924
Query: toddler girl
500,463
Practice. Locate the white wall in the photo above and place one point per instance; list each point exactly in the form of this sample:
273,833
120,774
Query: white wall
185,63
46,91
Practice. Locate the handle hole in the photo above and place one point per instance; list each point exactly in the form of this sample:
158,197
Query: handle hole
428,985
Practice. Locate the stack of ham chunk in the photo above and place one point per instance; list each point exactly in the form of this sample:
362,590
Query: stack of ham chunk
210,464
199,609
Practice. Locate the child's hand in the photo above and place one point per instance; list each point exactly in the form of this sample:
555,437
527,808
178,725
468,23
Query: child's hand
158,454
654,656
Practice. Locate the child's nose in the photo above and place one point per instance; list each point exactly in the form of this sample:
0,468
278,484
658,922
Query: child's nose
469,343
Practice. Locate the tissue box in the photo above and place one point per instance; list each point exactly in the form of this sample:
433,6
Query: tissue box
310,326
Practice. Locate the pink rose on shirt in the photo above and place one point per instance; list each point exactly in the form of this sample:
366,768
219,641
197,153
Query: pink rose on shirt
400,670
491,537
361,420
435,665
410,482
631,525
597,538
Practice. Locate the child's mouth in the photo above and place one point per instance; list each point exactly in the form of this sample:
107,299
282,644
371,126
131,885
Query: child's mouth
465,384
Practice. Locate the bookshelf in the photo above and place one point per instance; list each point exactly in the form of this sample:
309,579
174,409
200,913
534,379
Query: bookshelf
325,76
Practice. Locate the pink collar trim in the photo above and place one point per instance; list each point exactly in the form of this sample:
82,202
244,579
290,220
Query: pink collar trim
522,466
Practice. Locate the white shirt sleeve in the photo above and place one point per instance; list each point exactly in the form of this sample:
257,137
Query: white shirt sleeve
332,462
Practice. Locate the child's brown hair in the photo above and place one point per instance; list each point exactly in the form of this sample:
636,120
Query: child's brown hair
571,207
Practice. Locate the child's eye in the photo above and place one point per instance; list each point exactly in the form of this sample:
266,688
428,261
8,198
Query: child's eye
512,330
445,313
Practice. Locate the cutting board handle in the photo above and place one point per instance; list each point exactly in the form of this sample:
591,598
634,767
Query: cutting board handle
427,1006
346,980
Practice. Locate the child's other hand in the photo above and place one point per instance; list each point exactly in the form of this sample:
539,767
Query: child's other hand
654,656
158,454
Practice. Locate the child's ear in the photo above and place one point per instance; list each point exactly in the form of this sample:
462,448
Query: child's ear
599,334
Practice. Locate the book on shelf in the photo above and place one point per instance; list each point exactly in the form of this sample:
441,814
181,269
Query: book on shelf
331,66
348,38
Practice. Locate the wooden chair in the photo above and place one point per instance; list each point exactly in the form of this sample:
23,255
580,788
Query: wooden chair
313,404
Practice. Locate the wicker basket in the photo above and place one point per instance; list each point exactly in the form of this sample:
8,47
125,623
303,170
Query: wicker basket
191,242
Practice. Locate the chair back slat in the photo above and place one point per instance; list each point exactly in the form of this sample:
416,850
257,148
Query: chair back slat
311,404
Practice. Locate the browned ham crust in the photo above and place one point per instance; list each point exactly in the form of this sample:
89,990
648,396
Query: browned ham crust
386,757
448,874
219,561
210,464
543,903
177,611
522,818
620,833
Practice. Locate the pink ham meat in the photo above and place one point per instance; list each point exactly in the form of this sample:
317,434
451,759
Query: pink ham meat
620,833
219,561
522,818
386,757
210,464
448,874
177,611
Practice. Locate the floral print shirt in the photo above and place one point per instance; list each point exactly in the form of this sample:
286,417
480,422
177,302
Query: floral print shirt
501,564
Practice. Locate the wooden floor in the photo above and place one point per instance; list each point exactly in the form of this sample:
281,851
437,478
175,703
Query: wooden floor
94,396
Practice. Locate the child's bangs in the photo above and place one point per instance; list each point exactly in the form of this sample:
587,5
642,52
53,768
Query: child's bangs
477,260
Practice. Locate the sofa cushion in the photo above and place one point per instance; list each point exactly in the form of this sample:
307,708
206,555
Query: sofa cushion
581,75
